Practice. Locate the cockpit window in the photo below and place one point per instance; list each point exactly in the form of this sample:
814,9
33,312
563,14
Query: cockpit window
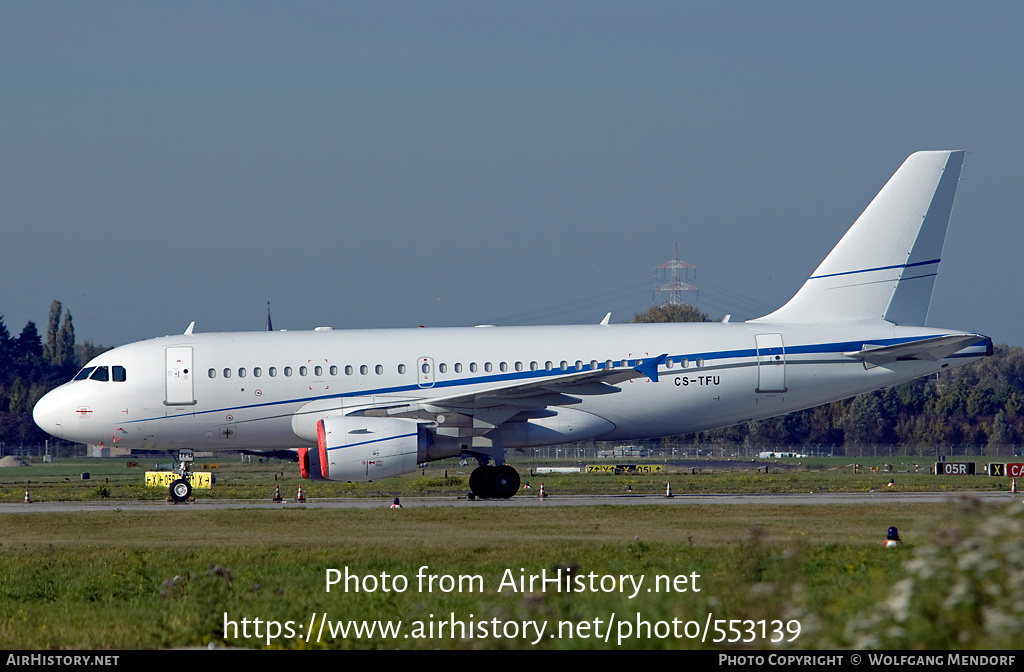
101,373
118,374
84,373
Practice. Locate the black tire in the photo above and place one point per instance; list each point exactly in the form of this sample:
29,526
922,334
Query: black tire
504,482
479,481
180,490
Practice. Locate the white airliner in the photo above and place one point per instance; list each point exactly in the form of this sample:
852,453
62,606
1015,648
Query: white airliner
368,404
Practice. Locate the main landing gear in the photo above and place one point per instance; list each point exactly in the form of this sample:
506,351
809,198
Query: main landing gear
499,482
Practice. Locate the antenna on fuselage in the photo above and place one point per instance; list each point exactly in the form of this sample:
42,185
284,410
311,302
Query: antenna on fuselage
270,327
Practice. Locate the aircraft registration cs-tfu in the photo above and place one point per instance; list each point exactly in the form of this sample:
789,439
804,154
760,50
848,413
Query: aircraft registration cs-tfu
367,404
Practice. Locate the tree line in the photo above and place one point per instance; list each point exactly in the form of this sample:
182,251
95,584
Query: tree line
30,367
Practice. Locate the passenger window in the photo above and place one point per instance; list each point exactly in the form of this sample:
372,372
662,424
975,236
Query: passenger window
101,373
241,373
487,367
425,368
288,371
564,365
213,373
363,369
458,367
548,366
319,371
443,368
334,370
348,370
227,373
379,369
503,366
534,366
302,370
472,367
272,371
519,366
401,368
119,374
257,372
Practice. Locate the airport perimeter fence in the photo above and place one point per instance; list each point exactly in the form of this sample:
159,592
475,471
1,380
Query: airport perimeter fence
648,451
42,451
669,450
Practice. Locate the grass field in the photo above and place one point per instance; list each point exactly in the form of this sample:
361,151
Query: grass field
813,574
113,479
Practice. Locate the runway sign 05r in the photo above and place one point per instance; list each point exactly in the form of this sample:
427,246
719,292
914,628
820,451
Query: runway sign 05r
955,468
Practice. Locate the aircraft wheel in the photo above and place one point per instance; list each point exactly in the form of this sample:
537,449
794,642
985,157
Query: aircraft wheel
181,490
504,482
479,481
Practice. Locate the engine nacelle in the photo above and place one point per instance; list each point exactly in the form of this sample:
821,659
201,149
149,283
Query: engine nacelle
358,448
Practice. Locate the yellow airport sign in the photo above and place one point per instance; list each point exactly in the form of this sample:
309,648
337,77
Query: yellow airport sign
624,468
202,480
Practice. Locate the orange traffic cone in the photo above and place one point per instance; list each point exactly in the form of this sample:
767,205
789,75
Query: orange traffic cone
1013,487
277,494
27,500
299,498
542,495
668,489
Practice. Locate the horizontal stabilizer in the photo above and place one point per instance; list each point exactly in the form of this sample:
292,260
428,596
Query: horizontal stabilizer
929,349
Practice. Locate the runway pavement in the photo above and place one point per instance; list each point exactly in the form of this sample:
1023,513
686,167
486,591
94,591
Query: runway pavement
201,503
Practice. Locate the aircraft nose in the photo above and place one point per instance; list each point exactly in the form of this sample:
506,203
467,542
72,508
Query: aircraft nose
47,413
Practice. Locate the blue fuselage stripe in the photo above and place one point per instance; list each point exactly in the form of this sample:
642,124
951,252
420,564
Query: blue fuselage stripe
816,348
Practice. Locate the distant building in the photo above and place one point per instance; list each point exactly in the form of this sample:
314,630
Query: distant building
624,451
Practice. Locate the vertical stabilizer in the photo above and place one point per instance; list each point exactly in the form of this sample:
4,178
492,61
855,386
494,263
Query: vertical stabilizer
884,268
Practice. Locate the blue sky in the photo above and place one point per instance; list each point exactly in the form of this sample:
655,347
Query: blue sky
457,163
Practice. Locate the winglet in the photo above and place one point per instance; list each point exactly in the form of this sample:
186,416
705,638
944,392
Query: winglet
649,366
607,318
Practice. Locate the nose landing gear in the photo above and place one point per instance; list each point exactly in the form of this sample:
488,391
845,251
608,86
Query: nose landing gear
180,490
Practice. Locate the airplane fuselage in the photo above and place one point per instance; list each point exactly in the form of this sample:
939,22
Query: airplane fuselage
266,390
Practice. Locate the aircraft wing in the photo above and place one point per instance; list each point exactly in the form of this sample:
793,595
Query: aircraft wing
485,408
929,349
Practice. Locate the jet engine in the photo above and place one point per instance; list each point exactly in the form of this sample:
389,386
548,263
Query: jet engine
359,448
